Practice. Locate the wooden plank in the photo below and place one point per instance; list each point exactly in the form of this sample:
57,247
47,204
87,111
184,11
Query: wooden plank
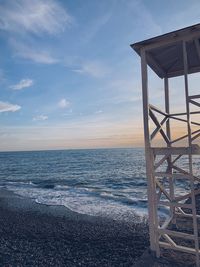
158,128
195,137
184,136
194,212
196,41
195,103
152,107
187,215
176,234
175,204
183,120
157,123
148,155
167,222
183,113
179,139
169,40
177,158
172,175
163,190
169,240
194,96
176,150
177,247
160,162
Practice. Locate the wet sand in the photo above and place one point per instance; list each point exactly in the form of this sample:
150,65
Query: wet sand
33,234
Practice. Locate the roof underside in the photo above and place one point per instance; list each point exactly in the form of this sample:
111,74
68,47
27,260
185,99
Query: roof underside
164,53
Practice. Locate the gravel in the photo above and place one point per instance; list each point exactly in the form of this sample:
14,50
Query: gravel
38,235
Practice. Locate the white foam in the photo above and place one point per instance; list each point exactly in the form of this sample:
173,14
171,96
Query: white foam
79,201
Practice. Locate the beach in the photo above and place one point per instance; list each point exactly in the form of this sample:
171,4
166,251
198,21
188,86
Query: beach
33,234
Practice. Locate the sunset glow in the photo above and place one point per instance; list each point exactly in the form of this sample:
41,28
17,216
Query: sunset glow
68,76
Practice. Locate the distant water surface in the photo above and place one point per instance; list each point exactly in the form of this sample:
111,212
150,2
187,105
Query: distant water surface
105,182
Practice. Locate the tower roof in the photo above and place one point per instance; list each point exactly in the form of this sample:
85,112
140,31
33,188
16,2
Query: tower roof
164,53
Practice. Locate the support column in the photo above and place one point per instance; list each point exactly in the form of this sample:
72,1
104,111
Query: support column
195,227
149,157
168,131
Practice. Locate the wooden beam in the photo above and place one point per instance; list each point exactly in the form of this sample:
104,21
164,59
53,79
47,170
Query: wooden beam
178,248
157,123
152,62
195,103
149,160
158,128
171,40
176,150
152,107
196,41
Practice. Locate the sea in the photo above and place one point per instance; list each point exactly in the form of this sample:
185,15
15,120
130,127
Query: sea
100,182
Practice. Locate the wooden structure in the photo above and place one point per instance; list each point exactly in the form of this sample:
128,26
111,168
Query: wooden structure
170,55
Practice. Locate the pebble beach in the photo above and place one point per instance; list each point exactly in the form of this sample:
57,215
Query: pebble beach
33,234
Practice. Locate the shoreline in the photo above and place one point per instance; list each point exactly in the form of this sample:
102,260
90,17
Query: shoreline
33,234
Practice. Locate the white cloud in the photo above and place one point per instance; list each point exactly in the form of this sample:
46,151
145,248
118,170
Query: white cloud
33,54
24,83
35,16
98,111
63,103
143,19
2,76
40,118
95,69
6,107
94,26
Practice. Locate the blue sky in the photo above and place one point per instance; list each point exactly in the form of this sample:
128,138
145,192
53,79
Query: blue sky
68,77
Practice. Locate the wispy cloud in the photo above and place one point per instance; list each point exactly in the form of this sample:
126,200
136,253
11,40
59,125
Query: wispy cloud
92,68
32,54
36,16
63,103
24,83
92,29
143,18
6,107
184,17
40,118
2,75
98,112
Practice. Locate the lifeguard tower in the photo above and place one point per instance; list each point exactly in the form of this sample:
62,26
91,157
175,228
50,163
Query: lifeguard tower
172,165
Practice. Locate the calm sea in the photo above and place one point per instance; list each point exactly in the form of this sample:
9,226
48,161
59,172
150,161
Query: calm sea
105,182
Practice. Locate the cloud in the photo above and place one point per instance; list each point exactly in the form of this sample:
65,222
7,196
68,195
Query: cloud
36,16
40,118
63,103
94,69
98,111
33,54
24,83
2,76
93,28
6,107
143,18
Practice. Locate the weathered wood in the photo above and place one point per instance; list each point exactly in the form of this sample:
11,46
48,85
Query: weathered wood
178,248
171,49
176,150
176,234
195,227
148,155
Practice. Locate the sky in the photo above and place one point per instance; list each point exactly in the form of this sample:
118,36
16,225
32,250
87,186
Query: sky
68,77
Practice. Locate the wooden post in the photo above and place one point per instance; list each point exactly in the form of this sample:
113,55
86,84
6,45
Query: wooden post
149,171
169,159
194,213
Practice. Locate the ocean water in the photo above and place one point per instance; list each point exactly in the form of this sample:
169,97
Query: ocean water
103,182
